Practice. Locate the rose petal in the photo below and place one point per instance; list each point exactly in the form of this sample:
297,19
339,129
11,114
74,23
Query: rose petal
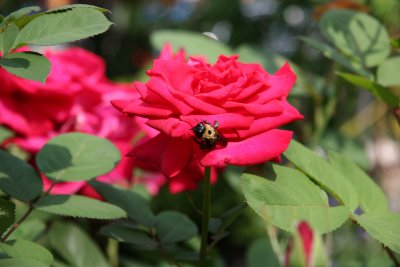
138,108
268,123
280,85
172,126
166,92
202,106
177,74
225,121
176,156
189,177
120,104
149,154
254,150
272,108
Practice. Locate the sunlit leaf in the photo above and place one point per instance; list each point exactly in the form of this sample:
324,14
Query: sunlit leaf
388,72
323,173
291,198
68,7
19,14
7,38
370,195
336,56
357,35
27,65
72,25
79,206
77,157
385,227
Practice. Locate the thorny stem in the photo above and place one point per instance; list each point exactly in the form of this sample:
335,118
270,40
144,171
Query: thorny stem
206,216
17,224
26,214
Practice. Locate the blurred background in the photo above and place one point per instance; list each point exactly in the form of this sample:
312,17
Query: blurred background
337,115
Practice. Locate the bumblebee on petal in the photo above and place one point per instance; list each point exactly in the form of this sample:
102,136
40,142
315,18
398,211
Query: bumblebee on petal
207,135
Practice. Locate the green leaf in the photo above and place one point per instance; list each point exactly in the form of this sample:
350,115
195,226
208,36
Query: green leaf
29,230
5,133
323,173
172,227
56,28
377,90
331,53
219,225
261,254
77,157
18,179
75,246
290,199
385,227
388,72
18,14
79,206
356,34
371,197
7,38
21,263
7,214
195,44
23,249
136,206
128,235
68,7
27,65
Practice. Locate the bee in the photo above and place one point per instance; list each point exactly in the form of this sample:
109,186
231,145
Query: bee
207,135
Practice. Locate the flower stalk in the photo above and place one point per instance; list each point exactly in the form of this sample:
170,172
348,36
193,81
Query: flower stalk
205,216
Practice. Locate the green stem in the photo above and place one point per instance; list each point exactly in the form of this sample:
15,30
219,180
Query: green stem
206,216
26,214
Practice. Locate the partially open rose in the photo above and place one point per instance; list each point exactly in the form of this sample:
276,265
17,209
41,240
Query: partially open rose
247,103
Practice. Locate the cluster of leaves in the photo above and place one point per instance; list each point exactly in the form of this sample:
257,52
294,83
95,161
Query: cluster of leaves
80,157
361,44
306,193
29,26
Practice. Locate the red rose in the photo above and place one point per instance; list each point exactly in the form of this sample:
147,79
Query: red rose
248,103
